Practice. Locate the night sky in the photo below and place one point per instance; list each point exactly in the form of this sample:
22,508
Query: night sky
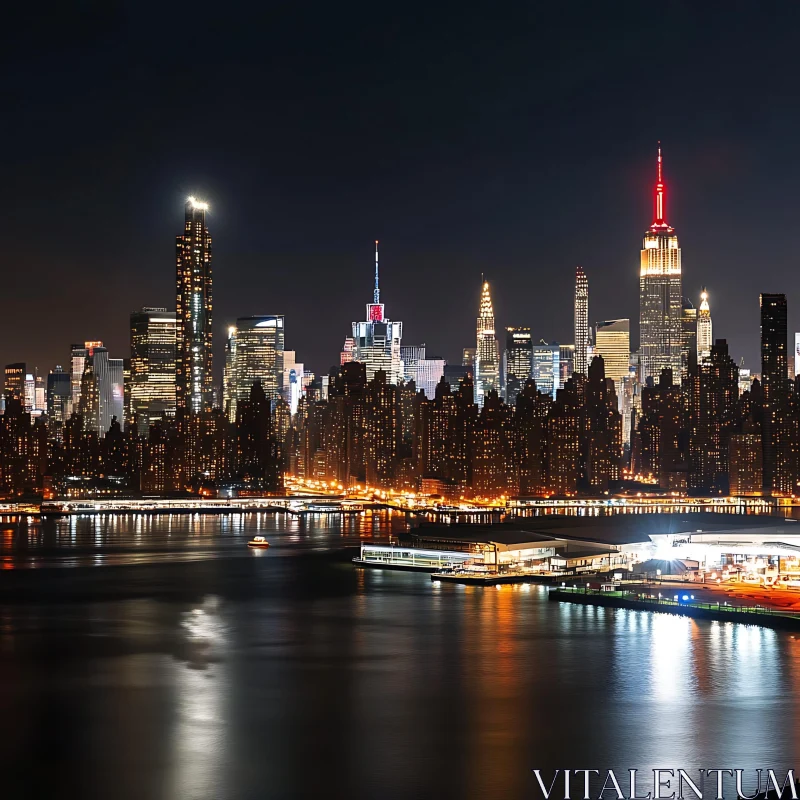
513,139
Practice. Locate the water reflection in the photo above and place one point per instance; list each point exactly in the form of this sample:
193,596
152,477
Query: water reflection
294,674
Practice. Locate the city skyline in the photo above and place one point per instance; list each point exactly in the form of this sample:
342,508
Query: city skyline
657,230
519,177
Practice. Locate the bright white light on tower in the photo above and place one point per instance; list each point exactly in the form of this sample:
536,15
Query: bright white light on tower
199,204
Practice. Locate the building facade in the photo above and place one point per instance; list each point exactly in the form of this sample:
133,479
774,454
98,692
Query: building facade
517,361
152,367
14,381
613,343
254,353
102,391
546,370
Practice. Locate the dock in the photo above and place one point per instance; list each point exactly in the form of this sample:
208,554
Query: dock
684,606
472,578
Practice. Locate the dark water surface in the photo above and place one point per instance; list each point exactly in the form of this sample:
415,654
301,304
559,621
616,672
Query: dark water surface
158,657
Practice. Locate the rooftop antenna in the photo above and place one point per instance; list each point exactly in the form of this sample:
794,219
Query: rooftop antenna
376,298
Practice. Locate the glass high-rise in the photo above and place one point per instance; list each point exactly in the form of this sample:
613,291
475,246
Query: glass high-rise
59,396
102,391
660,293
152,367
580,362
546,367
613,343
256,346
193,362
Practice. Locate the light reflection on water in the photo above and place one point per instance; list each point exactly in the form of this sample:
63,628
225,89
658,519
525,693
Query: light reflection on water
197,668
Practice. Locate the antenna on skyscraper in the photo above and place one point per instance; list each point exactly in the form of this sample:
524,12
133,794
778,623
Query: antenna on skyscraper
377,293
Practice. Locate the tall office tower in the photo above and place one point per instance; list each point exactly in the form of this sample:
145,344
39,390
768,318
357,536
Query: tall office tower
773,374
14,384
744,378
59,395
377,340
487,357
152,367
102,391
427,374
193,359
468,357
517,361
688,335
39,392
566,363
293,372
256,345
704,340
580,363
410,355
613,343
546,368
78,356
660,293
29,403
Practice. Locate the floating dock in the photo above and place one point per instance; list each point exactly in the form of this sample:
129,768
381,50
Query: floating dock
748,615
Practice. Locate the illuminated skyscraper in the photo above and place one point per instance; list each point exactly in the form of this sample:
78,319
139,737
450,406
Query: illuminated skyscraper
580,363
152,380
59,394
102,390
613,343
704,340
487,356
517,361
377,340
14,385
660,294
546,367
193,364
78,354
256,345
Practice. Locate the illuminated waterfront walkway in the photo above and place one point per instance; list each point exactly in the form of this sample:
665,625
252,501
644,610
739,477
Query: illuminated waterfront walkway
678,602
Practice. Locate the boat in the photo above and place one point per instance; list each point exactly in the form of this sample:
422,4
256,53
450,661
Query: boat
258,541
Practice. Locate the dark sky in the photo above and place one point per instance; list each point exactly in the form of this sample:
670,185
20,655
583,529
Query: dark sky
514,139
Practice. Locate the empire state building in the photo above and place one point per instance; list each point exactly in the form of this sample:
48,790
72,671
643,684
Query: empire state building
660,293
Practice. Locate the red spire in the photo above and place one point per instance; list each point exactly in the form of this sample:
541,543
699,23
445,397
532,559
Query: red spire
660,188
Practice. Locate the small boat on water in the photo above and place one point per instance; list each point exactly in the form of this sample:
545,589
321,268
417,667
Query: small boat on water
258,541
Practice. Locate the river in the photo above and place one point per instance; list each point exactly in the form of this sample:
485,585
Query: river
159,657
